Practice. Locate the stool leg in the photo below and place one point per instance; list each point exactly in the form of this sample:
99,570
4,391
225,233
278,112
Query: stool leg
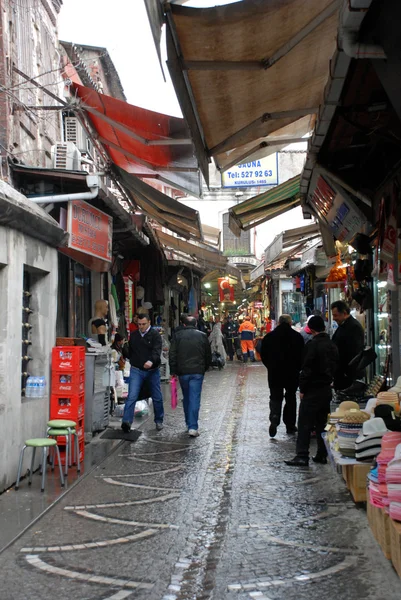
70,445
77,452
32,463
44,457
21,458
67,454
59,466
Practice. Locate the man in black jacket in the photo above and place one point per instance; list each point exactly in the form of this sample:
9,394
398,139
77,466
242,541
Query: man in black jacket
349,338
281,353
318,368
190,357
145,347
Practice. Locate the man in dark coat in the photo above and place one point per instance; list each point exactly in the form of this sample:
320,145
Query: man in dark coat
318,368
190,357
281,353
349,338
144,352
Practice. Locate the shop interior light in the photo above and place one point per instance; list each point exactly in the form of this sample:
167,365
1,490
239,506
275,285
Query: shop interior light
209,294
207,286
381,284
344,266
383,315
234,302
243,299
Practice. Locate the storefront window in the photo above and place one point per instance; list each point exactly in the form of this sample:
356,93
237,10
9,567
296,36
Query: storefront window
382,327
293,304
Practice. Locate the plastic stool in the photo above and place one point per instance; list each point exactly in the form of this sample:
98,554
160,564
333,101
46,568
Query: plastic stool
54,424
43,443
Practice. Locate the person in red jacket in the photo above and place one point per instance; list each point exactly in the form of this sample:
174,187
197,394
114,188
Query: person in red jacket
247,334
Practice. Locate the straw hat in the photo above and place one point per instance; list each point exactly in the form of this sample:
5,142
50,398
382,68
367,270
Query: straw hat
355,416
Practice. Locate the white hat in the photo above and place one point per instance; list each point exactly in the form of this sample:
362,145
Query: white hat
397,386
374,426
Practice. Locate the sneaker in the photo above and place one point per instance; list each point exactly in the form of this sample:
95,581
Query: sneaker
159,426
193,432
126,427
272,429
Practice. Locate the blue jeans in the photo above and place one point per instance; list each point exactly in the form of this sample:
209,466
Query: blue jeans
191,386
136,379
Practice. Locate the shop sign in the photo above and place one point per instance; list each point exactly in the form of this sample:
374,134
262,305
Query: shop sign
263,171
258,304
344,219
243,260
90,229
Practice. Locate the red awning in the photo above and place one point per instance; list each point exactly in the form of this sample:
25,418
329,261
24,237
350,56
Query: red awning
142,142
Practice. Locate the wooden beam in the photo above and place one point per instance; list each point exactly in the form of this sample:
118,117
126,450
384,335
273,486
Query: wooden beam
230,141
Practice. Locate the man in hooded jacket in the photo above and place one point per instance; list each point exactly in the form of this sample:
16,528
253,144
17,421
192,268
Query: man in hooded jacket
281,354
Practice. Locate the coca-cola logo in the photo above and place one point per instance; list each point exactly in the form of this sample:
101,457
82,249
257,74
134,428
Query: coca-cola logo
63,411
65,365
65,387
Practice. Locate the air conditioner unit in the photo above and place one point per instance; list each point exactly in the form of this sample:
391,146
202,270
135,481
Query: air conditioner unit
74,132
66,156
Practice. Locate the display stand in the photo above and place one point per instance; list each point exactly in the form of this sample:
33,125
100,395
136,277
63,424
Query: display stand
354,472
67,400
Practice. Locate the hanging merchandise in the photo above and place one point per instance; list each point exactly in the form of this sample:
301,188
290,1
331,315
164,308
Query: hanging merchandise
337,273
192,302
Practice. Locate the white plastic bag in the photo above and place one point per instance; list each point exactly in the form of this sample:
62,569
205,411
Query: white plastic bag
141,408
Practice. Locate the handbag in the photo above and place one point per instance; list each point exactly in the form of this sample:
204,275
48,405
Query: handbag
174,392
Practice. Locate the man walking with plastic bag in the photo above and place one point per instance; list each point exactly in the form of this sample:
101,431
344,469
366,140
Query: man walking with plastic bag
144,352
190,357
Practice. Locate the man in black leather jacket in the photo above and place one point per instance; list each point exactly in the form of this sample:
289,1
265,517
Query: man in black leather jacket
281,353
189,358
318,368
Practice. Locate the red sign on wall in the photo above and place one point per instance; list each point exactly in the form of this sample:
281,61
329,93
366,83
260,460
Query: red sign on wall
226,291
90,229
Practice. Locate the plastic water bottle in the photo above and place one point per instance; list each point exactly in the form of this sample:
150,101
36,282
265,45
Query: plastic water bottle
42,386
29,387
35,387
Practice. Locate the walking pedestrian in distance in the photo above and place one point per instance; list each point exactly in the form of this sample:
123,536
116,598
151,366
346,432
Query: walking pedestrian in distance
349,338
247,333
281,354
144,352
190,357
319,366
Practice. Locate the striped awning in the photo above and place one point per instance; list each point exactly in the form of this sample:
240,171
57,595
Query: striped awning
265,206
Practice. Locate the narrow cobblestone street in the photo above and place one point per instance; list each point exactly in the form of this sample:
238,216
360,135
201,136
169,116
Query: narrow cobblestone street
220,516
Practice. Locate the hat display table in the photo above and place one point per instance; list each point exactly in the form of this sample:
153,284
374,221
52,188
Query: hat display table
354,472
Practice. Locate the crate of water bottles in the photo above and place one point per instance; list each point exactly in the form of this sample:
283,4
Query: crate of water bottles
35,387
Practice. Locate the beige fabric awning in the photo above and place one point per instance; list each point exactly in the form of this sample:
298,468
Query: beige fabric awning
249,69
203,255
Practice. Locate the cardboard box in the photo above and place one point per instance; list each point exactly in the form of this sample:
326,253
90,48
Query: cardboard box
372,518
383,532
395,540
357,481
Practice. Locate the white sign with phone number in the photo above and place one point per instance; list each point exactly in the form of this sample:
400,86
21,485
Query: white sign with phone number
263,171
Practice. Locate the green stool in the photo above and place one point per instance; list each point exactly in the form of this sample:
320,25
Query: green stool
67,428
43,443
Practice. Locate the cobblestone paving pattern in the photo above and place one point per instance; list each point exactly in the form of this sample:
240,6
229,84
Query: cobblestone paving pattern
217,517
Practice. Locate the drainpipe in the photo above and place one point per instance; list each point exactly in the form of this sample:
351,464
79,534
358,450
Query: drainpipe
351,19
93,183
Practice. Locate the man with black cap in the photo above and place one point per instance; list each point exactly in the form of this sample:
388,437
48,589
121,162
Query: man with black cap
317,373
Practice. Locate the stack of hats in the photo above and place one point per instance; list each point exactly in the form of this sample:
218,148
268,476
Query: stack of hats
378,492
390,398
368,444
348,429
393,481
341,410
386,412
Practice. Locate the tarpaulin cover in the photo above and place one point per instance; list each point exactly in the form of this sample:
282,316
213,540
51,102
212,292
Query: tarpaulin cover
238,95
143,142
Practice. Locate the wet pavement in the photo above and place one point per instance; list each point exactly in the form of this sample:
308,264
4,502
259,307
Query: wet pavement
215,517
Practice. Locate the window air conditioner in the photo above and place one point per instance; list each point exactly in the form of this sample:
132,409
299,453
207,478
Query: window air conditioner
74,132
66,156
